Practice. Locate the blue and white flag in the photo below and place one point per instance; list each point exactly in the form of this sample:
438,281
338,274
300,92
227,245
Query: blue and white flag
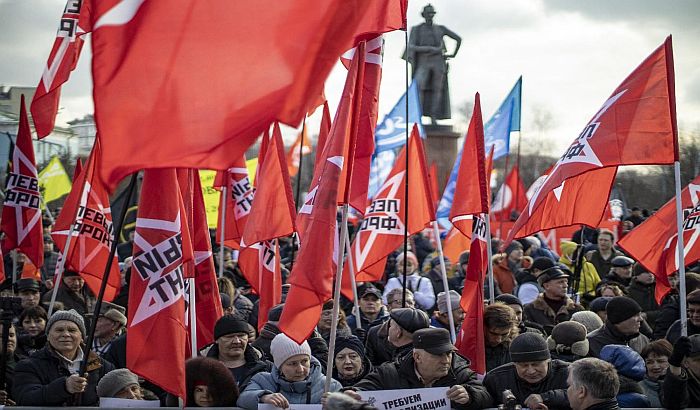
390,137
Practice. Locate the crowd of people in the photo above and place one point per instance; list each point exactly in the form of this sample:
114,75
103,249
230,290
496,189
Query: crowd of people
579,330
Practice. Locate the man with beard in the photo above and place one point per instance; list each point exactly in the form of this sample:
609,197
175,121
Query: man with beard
232,349
624,319
505,266
533,377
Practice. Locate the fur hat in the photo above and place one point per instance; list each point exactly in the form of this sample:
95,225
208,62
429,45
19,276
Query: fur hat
282,348
213,374
569,337
588,319
70,315
115,381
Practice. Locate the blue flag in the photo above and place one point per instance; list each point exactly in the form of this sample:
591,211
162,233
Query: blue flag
390,137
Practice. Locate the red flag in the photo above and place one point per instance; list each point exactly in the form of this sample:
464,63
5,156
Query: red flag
21,212
294,155
207,298
74,24
635,126
323,132
272,216
471,192
654,243
245,93
87,206
434,185
2,268
470,342
382,228
78,168
237,202
162,246
511,197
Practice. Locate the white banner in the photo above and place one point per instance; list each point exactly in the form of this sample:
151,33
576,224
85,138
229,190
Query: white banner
265,406
115,403
434,398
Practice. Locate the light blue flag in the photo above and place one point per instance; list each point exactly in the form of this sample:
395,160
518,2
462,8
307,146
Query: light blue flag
390,137
504,121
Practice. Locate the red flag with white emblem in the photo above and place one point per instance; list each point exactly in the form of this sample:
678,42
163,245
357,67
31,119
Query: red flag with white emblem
87,207
21,212
654,243
382,229
271,217
162,246
635,126
237,202
74,24
510,198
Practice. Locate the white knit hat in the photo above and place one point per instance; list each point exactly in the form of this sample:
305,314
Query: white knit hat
282,348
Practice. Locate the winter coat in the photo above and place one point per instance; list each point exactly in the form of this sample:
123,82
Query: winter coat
540,312
401,374
674,332
644,295
70,299
552,388
308,391
670,311
631,370
497,356
653,391
503,274
602,266
608,335
319,347
610,404
377,348
27,345
254,363
680,392
364,322
243,307
589,275
41,380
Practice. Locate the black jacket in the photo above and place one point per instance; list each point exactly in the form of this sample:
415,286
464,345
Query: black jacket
681,392
608,335
377,348
644,295
674,332
670,311
552,388
610,404
401,374
254,363
497,356
319,347
41,380
27,345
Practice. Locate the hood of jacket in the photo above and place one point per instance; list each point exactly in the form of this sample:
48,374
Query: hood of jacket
627,362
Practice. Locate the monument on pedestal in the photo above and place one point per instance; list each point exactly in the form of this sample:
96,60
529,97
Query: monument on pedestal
428,56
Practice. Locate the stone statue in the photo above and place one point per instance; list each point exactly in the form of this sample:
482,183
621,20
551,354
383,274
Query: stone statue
428,56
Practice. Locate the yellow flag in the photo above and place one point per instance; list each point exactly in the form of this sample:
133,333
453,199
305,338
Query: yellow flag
54,181
211,196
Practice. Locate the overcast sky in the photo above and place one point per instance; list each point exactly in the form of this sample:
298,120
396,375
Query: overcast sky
572,54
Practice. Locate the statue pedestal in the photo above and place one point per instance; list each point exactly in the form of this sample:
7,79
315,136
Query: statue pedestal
441,148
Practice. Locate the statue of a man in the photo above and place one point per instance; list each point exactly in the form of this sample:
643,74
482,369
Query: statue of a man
428,56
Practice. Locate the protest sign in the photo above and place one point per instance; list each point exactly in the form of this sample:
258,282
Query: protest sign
434,398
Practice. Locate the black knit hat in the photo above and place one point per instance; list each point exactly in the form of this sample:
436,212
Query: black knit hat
529,347
621,308
508,299
352,343
228,324
599,304
410,319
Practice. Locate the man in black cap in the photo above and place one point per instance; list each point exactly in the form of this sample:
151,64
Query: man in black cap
377,348
624,319
370,308
528,289
232,349
681,386
621,270
553,305
602,257
28,289
432,363
533,377
403,323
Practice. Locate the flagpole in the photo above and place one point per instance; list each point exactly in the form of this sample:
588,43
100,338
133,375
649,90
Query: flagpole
336,298
193,318
353,280
680,251
489,265
224,200
445,285
503,189
405,211
58,273
297,194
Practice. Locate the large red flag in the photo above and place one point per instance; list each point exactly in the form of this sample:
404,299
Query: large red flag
323,132
511,197
247,89
162,247
471,192
272,216
382,229
87,207
635,126
21,212
434,184
654,243
75,22
296,151
237,202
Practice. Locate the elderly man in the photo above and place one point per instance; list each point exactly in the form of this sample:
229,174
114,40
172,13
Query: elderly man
370,308
403,323
232,349
681,387
432,363
602,257
441,318
553,305
533,377
378,349
110,323
593,385
624,319
620,271
421,287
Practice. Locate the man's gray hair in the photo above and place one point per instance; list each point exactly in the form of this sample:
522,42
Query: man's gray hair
597,376
397,293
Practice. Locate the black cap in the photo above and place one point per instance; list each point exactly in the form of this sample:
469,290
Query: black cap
529,347
228,324
371,290
550,274
433,340
621,261
621,308
508,299
410,319
27,284
542,263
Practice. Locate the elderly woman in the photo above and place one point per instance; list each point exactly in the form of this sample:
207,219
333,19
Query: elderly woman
50,377
33,336
296,378
120,384
351,363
